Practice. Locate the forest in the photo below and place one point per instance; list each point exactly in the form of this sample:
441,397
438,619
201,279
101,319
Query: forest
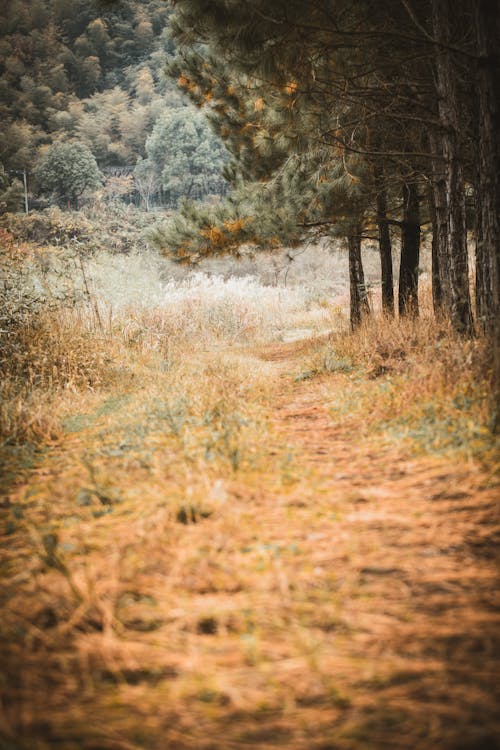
250,374
95,79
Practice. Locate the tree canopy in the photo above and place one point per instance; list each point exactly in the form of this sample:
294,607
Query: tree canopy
67,170
87,72
185,154
395,100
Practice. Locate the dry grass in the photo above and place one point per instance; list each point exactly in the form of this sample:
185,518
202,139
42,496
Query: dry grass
47,357
237,545
421,383
55,349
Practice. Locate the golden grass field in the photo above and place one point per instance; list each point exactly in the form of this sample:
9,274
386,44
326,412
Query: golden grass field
214,539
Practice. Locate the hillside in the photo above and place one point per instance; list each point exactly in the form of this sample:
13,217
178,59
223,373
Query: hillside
94,73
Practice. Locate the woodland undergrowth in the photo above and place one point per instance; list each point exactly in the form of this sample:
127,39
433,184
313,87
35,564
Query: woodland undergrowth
166,559
413,381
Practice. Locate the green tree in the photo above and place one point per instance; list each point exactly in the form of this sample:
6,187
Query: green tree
189,158
66,171
281,133
11,193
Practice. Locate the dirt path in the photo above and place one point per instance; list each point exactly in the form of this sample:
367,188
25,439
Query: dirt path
350,603
417,543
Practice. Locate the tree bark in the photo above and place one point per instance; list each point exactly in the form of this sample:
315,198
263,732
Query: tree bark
410,251
487,33
437,289
360,306
482,282
384,241
451,188
440,243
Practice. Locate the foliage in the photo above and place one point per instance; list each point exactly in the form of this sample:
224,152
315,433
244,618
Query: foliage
309,195
58,52
67,171
11,192
185,154
49,227
97,227
94,74
198,231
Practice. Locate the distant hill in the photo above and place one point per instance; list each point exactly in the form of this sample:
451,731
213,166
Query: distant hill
86,71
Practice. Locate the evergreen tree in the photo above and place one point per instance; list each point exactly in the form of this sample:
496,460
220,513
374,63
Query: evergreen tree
396,85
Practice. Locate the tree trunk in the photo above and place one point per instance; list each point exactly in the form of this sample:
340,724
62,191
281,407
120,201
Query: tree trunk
437,289
360,306
384,241
482,285
487,33
410,251
440,243
451,181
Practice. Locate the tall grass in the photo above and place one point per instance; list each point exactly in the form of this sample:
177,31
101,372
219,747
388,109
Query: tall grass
46,354
191,563
412,380
60,350
202,310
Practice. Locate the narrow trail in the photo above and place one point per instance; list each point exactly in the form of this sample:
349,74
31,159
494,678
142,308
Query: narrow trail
426,533
352,604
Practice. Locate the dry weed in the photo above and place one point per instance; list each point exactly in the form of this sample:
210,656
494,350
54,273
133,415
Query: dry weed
411,380
217,555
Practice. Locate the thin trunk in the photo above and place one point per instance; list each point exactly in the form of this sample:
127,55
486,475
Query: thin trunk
461,309
443,14
440,228
410,251
437,289
360,306
384,241
482,285
481,281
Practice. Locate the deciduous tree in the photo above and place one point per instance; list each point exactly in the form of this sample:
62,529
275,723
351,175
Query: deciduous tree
67,170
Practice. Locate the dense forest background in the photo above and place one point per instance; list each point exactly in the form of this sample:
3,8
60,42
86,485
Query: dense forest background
93,74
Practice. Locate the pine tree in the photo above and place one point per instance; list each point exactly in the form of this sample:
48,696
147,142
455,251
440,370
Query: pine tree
396,84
